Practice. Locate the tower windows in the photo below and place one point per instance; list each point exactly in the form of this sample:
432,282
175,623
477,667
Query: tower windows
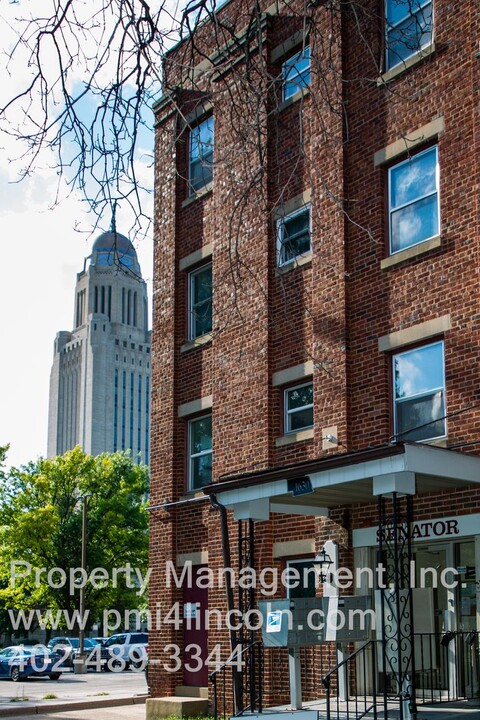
80,308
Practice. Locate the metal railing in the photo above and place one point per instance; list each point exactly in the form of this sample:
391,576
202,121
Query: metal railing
447,666
353,680
237,684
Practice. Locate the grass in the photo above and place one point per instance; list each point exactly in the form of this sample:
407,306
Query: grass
100,693
50,696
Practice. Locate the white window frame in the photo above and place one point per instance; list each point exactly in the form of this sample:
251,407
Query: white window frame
431,391
192,456
290,72
281,262
288,413
392,210
192,308
389,27
199,160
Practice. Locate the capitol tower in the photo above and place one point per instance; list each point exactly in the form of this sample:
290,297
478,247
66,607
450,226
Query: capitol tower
100,377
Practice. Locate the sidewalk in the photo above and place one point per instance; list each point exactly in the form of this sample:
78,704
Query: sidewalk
123,712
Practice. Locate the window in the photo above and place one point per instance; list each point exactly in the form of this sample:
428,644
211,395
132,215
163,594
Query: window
305,585
409,29
200,452
296,73
419,393
200,301
201,155
294,235
414,200
299,407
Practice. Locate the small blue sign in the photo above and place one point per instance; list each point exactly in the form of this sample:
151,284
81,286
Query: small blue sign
274,621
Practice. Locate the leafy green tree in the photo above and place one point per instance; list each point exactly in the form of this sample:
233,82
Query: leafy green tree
41,529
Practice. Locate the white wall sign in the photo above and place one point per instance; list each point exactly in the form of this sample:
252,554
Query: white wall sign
438,529
190,610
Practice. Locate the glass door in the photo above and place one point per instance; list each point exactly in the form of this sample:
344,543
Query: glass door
434,621
466,605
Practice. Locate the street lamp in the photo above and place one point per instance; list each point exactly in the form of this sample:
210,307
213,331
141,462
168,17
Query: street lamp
79,667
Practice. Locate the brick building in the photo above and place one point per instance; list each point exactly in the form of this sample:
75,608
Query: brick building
316,318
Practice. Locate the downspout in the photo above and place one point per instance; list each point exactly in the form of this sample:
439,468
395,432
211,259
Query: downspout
227,563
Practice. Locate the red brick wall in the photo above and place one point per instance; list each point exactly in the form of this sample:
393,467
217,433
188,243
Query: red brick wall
332,310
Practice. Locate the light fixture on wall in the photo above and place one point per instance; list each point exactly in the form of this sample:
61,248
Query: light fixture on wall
322,564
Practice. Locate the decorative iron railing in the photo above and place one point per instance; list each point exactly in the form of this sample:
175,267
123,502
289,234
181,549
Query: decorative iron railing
447,668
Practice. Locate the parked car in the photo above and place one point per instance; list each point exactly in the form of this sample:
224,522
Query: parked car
98,640
19,662
125,650
69,648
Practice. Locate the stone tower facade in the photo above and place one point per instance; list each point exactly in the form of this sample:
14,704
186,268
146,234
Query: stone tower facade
100,377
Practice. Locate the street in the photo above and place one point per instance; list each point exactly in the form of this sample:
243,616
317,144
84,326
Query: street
72,688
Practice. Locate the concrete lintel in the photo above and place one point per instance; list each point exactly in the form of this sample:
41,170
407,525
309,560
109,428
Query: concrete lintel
295,203
289,548
252,510
195,558
396,482
195,406
409,142
297,372
415,333
280,51
203,253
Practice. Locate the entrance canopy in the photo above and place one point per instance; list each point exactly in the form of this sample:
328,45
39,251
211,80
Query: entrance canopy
312,487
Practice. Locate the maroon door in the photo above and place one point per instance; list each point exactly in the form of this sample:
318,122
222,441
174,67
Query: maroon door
195,636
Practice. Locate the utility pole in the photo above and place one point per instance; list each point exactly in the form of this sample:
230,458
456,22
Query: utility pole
80,665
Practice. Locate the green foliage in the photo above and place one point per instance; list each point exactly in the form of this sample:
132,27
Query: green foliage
41,524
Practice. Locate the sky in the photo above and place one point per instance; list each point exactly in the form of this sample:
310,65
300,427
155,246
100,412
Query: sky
41,252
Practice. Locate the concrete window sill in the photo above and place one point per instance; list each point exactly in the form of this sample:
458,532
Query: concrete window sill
411,252
413,60
299,95
198,342
198,195
298,262
295,437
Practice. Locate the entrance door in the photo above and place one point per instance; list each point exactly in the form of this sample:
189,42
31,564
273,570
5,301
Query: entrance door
446,661
195,636
434,638
466,603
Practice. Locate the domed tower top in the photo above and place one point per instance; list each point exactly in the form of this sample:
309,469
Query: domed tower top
115,250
